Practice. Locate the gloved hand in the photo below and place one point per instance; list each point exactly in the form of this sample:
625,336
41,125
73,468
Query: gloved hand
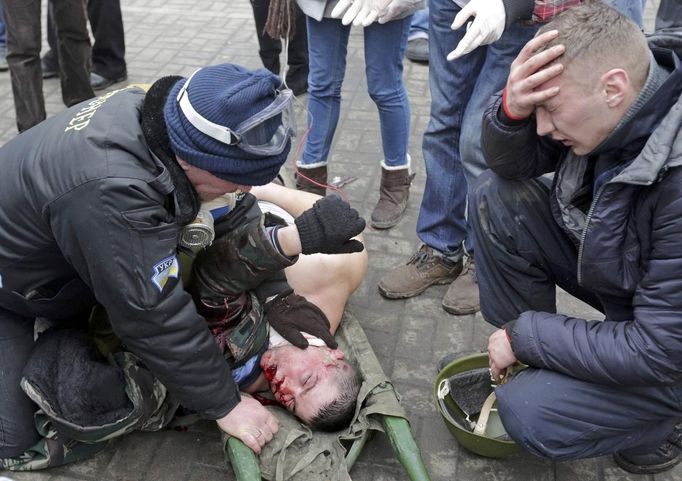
289,314
396,9
327,227
486,28
359,12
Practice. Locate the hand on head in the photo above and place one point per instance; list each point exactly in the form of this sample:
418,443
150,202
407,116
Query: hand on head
250,422
528,72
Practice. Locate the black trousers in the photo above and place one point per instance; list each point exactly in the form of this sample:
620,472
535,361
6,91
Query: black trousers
22,19
521,256
669,14
270,48
108,50
17,428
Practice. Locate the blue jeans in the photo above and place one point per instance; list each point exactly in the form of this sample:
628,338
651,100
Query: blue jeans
419,28
460,91
3,39
384,50
632,8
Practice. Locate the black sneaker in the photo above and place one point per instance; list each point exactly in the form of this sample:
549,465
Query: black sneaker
418,50
661,459
49,69
98,82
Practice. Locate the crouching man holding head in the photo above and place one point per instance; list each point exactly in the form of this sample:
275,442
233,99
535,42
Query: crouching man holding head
588,100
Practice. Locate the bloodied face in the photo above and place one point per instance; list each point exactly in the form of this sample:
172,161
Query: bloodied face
305,380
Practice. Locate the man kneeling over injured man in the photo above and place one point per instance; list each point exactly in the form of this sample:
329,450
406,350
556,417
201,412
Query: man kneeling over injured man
253,297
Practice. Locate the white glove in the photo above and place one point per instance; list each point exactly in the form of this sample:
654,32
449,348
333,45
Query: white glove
486,28
359,12
397,9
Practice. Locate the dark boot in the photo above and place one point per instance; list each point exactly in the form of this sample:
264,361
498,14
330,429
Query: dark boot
316,174
393,194
661,459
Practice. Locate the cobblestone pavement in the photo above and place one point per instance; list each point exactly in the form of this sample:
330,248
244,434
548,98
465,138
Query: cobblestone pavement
409,336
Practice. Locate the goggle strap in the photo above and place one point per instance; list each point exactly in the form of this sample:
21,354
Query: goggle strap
218,132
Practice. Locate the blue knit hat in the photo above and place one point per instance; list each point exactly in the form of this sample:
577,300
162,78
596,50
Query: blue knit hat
227,95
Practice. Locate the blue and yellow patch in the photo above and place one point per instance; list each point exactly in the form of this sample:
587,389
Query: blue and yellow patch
164,270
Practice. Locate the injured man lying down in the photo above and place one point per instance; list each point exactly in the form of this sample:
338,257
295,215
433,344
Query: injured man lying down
250,310
272,316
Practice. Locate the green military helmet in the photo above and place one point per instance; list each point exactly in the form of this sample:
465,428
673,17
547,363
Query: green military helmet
485,437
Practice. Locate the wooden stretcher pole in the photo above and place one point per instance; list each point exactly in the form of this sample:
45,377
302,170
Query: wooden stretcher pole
405,447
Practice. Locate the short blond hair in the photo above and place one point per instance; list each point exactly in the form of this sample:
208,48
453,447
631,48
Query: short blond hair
599,38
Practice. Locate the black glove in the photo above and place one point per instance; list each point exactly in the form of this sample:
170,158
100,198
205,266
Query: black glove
328,226
289,314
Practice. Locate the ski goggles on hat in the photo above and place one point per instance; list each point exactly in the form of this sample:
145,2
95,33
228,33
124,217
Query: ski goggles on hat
265,133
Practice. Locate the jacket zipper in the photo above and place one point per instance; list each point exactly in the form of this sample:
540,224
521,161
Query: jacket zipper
584,234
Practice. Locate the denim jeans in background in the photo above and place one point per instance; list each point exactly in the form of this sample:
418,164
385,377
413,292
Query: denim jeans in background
460,91
3,40
419,28
384,50
632,8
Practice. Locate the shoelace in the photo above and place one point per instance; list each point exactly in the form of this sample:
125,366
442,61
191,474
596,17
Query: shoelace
419,258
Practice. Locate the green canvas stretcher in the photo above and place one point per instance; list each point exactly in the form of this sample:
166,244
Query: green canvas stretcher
296,453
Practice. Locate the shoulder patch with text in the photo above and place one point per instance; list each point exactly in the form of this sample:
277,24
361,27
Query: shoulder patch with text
164,270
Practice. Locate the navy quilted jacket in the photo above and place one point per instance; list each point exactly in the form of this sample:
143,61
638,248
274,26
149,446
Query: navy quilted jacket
629,241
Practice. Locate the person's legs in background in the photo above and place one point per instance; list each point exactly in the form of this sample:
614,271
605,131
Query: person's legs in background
3,42
462,296
268,48
49,63
297,56
108,50
669,14
384,51
632,8
418,39
271,48
327,48
74,51
441,224
22,23
17,428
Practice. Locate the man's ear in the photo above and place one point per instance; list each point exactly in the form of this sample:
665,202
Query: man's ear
615,85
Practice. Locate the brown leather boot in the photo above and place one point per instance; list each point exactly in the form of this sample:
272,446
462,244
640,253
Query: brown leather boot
393,194
318,174
462,296
424,269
